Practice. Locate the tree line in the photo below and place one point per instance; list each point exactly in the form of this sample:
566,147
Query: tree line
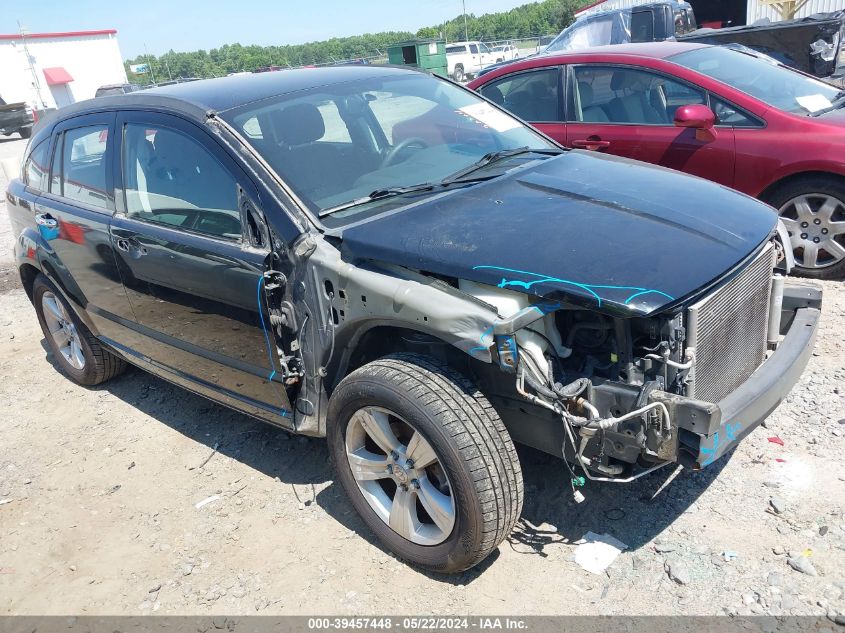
529,20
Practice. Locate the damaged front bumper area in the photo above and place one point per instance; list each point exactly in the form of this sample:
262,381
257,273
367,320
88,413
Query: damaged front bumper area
705,438
618,430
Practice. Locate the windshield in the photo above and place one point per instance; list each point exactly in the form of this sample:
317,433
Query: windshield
771,83
602,30
343,142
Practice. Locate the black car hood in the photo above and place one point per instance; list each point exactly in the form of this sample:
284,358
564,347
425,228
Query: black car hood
604,232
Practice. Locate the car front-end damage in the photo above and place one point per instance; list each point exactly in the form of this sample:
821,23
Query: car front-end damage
672,335
616,395
682,386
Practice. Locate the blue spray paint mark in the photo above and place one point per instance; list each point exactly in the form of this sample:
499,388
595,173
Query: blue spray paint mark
712,452
634,291
483,347
284,412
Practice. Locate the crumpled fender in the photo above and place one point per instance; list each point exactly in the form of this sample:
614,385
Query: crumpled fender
375,295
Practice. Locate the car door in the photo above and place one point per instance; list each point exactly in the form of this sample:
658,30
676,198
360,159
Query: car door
73,215
194,281
533,95
475,57
629,111
754,160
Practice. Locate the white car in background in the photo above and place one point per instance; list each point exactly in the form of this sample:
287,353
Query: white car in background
504,53
467,58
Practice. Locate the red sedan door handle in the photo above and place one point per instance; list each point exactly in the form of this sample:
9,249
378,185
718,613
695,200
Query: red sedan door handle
593,144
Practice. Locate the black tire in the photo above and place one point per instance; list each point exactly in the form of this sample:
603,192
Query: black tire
99,365
814,187
458,75
25,132
468,438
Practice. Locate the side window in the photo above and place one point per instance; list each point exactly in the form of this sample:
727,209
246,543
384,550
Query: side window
629,96
83,166
642,25
473,48
261,127
38,166
729,114
169,178
532,96
336,130
684,21
391,109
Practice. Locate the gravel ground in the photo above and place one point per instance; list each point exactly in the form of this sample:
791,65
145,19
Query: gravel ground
99,491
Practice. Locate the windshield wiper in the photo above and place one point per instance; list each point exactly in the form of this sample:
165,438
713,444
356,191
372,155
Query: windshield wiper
378,194
484,161
493,157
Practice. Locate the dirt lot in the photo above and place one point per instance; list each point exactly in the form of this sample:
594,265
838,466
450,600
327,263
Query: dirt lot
99,491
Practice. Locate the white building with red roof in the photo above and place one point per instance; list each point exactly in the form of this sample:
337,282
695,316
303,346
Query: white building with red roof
50,70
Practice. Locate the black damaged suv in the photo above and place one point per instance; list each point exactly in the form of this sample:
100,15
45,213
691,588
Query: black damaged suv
384,258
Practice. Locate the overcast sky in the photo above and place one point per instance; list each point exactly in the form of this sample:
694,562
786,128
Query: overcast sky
187,25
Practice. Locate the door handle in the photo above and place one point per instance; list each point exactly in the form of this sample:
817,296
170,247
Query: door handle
46,220
591,144
130,245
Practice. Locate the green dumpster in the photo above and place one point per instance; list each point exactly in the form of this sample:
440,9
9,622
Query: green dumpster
427,55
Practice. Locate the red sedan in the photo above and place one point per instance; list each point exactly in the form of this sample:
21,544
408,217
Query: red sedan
725,115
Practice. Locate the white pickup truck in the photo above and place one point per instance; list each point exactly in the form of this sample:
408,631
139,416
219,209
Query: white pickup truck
467,58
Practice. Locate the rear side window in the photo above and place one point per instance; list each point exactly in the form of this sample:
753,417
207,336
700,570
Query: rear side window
171,179
38,166
532,96
83,166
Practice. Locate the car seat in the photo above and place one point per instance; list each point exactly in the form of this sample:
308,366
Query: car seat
634,105
590,113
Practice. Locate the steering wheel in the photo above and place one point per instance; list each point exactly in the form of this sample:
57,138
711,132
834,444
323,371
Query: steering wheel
391,156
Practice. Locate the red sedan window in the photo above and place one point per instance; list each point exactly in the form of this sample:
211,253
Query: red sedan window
630,96
532,96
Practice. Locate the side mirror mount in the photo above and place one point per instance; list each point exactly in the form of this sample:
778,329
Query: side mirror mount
698,117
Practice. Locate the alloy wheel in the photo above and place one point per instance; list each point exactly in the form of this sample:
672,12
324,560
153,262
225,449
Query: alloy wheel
816,225
400,476
62,330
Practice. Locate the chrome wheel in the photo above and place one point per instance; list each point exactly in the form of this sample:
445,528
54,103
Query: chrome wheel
816,225
400,476
62,330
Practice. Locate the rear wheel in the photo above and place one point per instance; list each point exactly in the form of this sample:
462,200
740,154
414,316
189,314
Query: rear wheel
425,460
76,350
813,210
458,75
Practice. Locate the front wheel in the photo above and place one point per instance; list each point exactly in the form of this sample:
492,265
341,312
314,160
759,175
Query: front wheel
813,210
425,460
25,132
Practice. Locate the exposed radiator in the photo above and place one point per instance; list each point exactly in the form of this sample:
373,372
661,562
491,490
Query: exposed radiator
728,329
